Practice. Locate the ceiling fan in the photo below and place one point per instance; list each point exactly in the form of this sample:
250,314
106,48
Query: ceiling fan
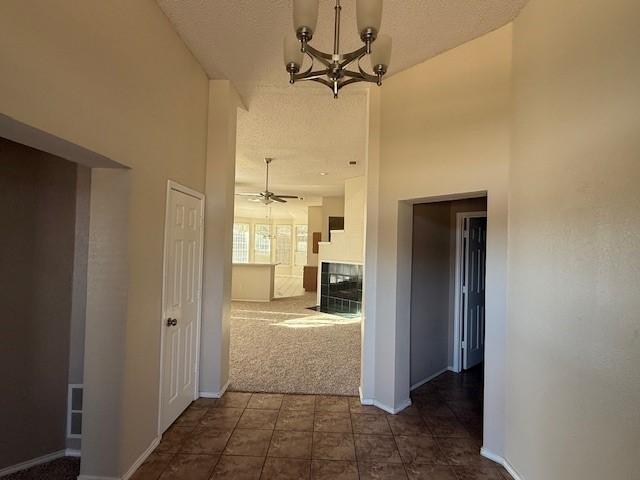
267,197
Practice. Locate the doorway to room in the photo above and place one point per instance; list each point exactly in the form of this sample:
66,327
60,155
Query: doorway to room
447,288
448,318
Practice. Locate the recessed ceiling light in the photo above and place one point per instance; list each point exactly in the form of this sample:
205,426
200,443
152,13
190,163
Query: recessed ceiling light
324,174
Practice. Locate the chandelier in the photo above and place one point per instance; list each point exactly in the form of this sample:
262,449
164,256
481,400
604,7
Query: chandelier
337,70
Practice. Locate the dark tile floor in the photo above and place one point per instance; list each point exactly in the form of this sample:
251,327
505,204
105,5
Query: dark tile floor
270,436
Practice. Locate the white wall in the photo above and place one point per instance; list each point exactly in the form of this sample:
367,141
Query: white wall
444,133
573,356
347,245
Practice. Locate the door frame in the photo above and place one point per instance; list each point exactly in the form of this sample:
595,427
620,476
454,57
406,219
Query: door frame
458,304
171,185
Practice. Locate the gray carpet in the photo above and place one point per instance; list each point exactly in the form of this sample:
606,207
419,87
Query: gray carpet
282,347
66,468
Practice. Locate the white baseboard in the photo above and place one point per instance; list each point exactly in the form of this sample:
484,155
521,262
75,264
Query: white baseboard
502,461
152,446
72,452
93,477
364,401
386,408
215,394
428,379
31,463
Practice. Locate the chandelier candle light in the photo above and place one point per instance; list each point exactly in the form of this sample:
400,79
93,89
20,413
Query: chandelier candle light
335,72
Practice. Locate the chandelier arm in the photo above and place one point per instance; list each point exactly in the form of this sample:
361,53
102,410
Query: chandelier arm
367,76
312,75
352,74
321,56
348,58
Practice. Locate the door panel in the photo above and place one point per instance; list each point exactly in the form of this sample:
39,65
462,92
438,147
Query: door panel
474,290
181,305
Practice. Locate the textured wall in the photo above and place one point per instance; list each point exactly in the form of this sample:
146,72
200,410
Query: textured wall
444,132
573,355
115,78
37,208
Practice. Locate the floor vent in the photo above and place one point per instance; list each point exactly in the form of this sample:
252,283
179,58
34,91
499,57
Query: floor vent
74,411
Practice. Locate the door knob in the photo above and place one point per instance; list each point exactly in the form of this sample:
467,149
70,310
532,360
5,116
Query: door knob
172,322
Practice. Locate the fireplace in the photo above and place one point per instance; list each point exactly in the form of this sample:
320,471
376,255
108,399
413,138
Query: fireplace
341,288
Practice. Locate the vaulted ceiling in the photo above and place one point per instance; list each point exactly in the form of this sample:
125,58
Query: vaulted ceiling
302,126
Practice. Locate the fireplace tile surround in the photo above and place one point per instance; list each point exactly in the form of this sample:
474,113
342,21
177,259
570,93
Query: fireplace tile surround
341,288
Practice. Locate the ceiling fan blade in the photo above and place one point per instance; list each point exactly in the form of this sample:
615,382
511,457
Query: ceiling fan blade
286,196
249,194
277,199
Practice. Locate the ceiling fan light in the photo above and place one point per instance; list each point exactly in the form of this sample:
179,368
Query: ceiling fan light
381,54
305,16
292,53
369,15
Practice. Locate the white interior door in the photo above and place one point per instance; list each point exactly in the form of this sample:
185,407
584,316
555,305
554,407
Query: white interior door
473,289
181,319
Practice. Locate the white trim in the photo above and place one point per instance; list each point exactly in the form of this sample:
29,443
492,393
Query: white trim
31,463
428,379
364,401
382,406
215,394
93,477
152,446
72,452
171,185
502,461
457,307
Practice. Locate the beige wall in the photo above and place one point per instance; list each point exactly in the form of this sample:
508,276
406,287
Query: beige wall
223,104
573,357
444,131
331,207
314,215
115,78
37,207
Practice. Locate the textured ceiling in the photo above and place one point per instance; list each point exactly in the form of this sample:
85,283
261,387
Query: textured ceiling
303,127
307,133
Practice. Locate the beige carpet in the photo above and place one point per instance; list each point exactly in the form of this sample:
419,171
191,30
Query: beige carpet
282,347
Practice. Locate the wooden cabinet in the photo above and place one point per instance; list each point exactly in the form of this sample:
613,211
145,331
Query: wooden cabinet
310,278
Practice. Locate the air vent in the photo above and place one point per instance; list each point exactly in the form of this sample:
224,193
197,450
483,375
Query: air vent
74,410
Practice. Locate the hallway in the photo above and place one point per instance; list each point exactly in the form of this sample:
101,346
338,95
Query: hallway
274,436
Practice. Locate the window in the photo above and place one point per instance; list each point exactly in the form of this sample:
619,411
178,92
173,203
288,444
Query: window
262,243
283,244
241,243
302,234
